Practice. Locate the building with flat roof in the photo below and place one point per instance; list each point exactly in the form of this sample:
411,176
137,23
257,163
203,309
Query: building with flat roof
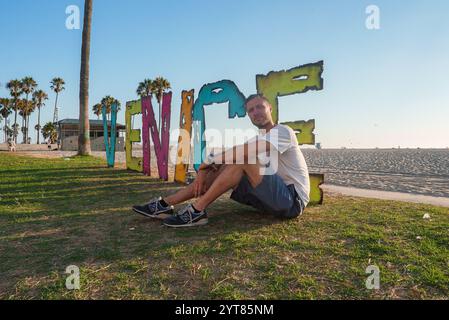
68,132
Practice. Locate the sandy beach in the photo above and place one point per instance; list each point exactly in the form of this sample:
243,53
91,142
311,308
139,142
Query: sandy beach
416,171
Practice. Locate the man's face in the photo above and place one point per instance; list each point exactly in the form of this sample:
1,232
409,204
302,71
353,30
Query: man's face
259,111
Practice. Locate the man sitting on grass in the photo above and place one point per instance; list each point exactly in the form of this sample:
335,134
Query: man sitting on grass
279,186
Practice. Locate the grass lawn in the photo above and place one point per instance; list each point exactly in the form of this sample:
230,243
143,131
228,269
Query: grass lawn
55,213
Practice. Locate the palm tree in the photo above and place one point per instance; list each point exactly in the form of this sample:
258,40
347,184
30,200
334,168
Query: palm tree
5,111
97,110
1,119
49,132
57,85
15,90
26,107
21,106
159,86
31,107
108,101
15,130
21,110
145,88
28,87
84,138
38,100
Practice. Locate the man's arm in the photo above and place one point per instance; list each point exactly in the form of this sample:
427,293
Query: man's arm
241,154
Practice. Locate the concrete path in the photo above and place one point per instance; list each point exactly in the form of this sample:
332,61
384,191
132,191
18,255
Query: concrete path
387,195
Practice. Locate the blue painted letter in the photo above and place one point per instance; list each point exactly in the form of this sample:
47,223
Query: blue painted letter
110,146
217,92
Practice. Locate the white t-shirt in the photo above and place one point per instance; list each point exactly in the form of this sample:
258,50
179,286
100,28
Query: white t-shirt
291,165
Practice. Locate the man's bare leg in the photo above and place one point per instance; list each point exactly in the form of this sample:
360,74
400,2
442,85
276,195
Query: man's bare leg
182,195
227,179
187,192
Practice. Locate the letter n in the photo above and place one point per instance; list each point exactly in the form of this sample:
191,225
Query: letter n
161,143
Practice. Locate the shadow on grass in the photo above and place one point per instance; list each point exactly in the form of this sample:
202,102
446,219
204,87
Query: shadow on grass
53,216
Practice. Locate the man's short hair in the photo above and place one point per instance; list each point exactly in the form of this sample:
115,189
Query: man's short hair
256,95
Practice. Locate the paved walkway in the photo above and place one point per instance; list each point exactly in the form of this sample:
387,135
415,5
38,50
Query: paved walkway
387,195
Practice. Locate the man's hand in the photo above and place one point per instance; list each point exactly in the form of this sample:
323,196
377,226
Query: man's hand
200,183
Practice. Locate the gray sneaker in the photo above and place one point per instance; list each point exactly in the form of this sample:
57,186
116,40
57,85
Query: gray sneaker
187,217
154,209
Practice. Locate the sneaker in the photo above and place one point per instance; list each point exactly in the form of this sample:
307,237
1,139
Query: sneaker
187,217
154,209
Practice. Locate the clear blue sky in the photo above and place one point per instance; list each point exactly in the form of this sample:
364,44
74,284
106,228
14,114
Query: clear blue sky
382,88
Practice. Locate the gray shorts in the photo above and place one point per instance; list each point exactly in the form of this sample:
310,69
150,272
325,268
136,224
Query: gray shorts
271,196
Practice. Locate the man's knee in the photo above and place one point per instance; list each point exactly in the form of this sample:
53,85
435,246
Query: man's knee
252,171
246,167
212,175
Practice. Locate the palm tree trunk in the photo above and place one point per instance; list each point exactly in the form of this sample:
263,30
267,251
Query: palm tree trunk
84,135
27,123
25,138
38,125
23,133
15,123
6,130
28,126
23,129
56,106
